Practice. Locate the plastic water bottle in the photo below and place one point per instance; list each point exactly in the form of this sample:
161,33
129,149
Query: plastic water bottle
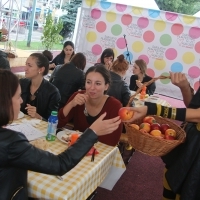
52,126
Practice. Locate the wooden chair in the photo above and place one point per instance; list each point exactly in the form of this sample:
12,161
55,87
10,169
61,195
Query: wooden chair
125,148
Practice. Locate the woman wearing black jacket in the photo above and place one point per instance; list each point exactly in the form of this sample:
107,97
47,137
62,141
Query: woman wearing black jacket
17,155
39,96
140,77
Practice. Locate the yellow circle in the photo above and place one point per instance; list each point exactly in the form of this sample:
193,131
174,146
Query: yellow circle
188,57
111,16
188,19
90,3
137,11
91,36
137,46
115,52
159,25
159,64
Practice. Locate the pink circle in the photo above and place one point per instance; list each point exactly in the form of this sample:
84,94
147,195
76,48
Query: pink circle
143,22
96,49
196,85
101,26
148,36
177,29
121,43
126,19
171,54
194,72
121,7
171,16
95,13
145,58
150,72
197,47
194,32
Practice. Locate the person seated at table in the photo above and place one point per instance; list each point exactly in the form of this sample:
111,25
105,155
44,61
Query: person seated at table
17,155
69,78
48,55
4,63
140,77
107,58
119,88
39,96
65,55
84,107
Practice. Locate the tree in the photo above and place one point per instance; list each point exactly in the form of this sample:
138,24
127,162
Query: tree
69,19
51,32
189,7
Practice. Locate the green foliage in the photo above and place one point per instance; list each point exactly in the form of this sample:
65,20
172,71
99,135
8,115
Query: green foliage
188,7
69,19
51,32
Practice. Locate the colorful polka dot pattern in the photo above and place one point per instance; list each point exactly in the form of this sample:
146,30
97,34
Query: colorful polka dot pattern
166,41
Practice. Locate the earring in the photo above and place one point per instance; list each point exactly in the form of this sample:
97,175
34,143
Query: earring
39,72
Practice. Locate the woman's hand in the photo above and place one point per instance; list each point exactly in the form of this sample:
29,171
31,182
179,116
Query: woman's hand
79,99
31,110
104,127
52,65
108,65
139,84
179,79
139,112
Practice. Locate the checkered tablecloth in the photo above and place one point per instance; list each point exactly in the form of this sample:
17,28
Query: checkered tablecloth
81,181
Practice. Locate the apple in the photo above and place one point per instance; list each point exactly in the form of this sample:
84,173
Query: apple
156,133
143,131
170,132
164,127
149,119
169,137
155,126
135,126
145,126
125,114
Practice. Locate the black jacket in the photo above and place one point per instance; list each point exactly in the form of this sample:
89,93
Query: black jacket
58,60
47,95
150,88
17,156
119,89
68,79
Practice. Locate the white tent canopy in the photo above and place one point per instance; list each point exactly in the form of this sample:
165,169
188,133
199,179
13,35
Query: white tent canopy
150,4
197,14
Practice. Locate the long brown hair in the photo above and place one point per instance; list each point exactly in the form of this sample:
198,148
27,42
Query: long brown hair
8,87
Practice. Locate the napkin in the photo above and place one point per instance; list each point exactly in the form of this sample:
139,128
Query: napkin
33,122
90,152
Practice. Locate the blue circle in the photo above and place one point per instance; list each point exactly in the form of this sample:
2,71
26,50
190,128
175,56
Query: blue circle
177,67
128,56
104,4
153,13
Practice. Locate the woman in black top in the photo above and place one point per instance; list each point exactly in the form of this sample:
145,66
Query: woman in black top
65,55
140,77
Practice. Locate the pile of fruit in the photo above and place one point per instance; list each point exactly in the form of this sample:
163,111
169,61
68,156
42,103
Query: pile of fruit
150,126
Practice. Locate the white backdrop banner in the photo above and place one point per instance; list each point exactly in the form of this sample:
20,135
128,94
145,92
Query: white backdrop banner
166,41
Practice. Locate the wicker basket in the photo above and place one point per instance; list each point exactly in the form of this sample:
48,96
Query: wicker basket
146,143
151,145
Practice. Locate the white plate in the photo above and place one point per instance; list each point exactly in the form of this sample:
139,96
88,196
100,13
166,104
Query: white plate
20,115
65,132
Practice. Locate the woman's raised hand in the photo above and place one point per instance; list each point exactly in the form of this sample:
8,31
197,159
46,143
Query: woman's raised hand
104,127
179,79
79,99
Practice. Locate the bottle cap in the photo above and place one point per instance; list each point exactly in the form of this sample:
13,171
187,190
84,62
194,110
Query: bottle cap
54,113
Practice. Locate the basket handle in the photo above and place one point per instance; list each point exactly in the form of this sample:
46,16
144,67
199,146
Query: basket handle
144,85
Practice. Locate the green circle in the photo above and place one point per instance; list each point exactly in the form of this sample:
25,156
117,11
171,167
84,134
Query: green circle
116,29
165,39
165,81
